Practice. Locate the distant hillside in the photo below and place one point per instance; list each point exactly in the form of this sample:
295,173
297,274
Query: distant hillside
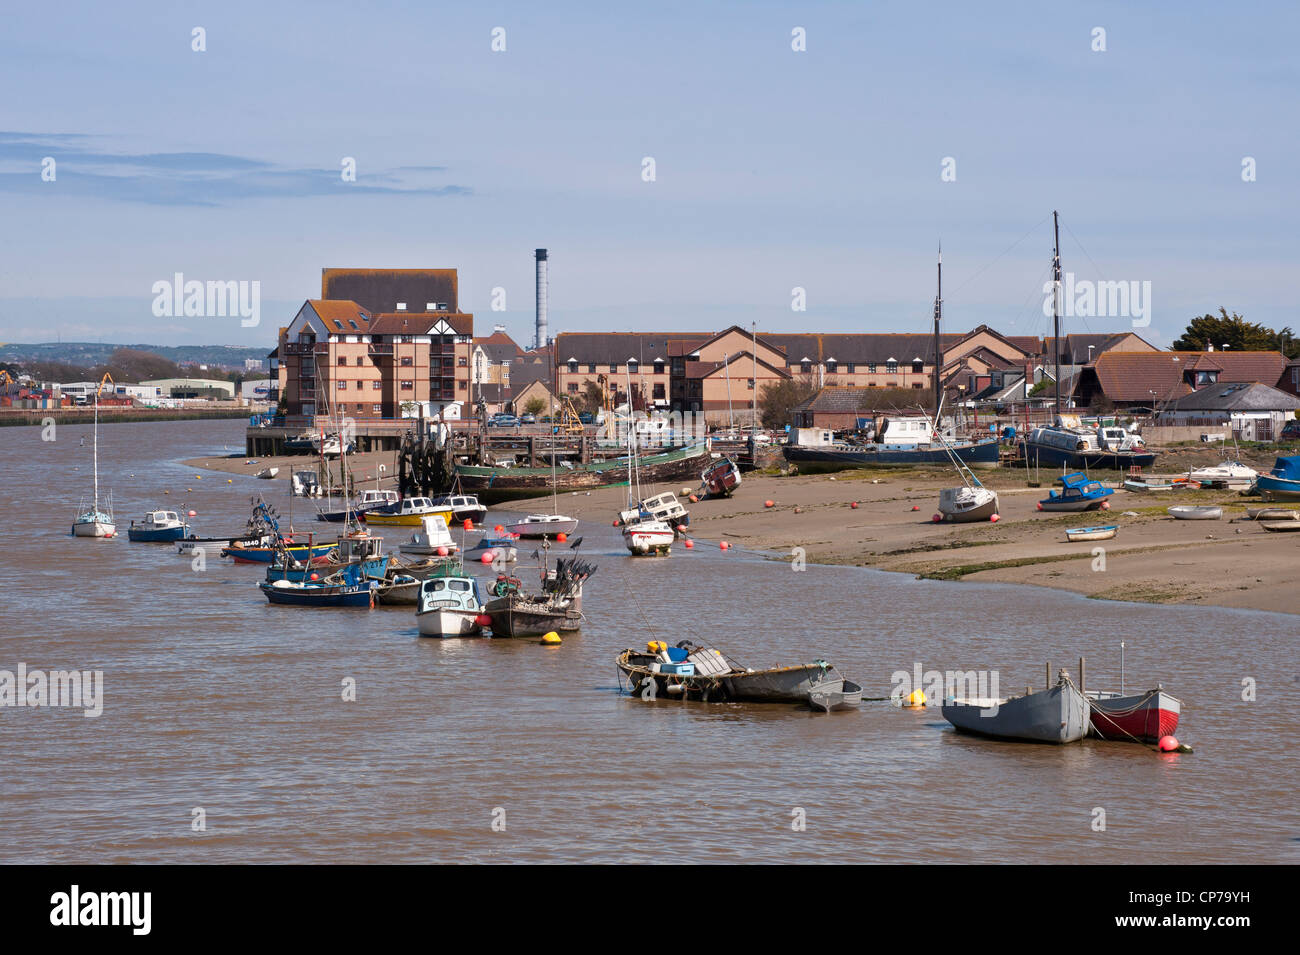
88,354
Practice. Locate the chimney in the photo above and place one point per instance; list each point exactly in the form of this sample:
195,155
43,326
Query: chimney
540,256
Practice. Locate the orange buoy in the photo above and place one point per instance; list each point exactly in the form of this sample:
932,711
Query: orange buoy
192,513
694,499
1040,505
467,524
723,545
916,507
315,576
769,503
561,537
483,620
442,551
854,505
689,544
488,557
499,529
1167,744
995,518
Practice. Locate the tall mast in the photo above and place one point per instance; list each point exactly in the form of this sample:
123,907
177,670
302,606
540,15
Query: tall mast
754,398
938,355
96,452
1056,306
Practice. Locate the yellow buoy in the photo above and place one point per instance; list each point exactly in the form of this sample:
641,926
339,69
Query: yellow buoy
551,639
915,698
655,646
229,481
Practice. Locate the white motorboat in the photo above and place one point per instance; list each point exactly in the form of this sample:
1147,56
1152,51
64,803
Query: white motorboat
648,537
449,606
967,504
95,521
543,525
432,539
1231,474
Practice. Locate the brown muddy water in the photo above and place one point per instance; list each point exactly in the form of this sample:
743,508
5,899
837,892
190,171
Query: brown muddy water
214,699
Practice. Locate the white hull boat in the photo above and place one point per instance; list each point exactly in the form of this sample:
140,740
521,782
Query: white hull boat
94,524
433,539
1190,513
1234,476
449,623
649,538
1075,534
966,504
543,525
449,606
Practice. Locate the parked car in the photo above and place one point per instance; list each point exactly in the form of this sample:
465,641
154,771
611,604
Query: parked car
587,418
1290,431
503,421
528,419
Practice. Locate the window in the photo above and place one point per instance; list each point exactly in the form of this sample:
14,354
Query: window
916,384
750,383
573,366
355,328
360,385
376,409
660,366
830,366
462,362
659,391
408,385
343,359
573,387
460,386
407,361
343,386
891,367
591,368
613,369
376,384
917,366
805,366
849,368
871,367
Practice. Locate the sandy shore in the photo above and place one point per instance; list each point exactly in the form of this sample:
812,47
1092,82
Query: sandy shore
1153,559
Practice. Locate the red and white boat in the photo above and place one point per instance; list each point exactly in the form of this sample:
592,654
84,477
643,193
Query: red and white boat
649,537
1143,716
721,478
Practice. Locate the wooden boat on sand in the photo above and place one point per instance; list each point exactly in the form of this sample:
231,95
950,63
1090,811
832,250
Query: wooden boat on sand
1102,533
1280,526
1187,512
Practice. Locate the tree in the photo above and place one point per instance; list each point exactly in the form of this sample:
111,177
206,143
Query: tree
593,396
535,406
779,398
1210,331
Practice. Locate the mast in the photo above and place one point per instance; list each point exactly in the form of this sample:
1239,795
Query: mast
96,454
726,371
938,356
1056,305
754,398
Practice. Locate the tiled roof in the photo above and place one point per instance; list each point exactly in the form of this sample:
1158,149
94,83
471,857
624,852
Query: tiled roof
380,290
835,400
338,315
416,323
1235,396
1132,376
744,362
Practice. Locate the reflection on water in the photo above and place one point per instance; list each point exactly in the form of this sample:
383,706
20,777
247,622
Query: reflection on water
215,699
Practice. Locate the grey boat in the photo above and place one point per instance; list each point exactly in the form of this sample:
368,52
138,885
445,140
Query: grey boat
836,694
1055,715
398,590
727,682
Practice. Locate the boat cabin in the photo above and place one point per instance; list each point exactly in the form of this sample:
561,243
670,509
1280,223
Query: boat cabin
162,519
360,546
455,593
374,497
662,507
906,431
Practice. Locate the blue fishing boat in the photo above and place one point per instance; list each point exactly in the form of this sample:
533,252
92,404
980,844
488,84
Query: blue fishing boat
347,588
268,554
1078,493
359,548
1283,482
158,527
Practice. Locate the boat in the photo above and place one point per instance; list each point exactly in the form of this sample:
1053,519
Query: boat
161,527
494,548
1272,514
371,500
662,507
1055,715
305,484
358,547
721,478
267,474
516,613
1102,533
967,504
649,537
464,507
303,444
1140,486
1141,717
409,511
433,537
1281,526
1078,493
494,484
398,590
1283,482
835,694
450,605
543,525
700,673
243,553
344,589
330,445
95,521
838,456
1068,444
1187,512
1231,474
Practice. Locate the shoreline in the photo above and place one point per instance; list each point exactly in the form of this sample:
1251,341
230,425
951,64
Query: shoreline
1154,558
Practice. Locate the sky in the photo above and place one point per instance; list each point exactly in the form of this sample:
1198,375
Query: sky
821,169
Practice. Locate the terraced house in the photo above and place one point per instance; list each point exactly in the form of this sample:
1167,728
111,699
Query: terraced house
378,344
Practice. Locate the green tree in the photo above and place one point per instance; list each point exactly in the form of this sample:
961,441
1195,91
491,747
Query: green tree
535,406
593,396
1216,331
778,399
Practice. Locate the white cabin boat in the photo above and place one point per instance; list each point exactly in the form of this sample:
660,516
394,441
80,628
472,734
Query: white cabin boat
432,539
543,525
449,606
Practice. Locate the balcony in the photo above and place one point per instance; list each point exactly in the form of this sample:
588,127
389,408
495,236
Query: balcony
298,348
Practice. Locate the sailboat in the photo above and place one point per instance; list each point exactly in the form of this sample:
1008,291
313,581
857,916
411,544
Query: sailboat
546,525
972,501
644,534
96,522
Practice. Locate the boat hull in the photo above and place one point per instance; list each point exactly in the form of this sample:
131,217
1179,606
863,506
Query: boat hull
94,529
319,596
267,555
448,623
403,520
494,485
1145,716
1277,489
953,514
835,695
516,617
777,685
982,454
1057,715
537,529
1076,534
643,543
1189,513
1045,454
160,535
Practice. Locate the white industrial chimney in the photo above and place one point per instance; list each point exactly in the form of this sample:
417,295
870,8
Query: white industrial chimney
540,255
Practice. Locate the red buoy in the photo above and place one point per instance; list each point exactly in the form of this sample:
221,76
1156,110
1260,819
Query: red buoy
499,529
723,545
1167,744
488,557
769,503
468,524
694,499
561,537
854,505
995,518
916,507
937,518
442,551
689,544
193,513
1040,505
315,576
483,620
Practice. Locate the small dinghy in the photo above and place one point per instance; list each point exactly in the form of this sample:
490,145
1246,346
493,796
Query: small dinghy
494,548
1056,715
1272,514
1104,533
1133,484
1280,526
831,695
267,473
1187,512
1142,717
398,590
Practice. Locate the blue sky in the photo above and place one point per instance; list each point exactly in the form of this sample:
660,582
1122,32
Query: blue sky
774,168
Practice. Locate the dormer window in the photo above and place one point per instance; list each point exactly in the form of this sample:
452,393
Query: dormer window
917,366
891,366
831,365
573,366
401,306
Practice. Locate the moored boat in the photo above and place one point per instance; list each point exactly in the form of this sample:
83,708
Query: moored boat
968,503
450,605
721,478
1101,533
433,537
1231,474
1281,527
705,674
662,507
95,521
1283,482
1188,512
494,548
1078,493
1055,715
464,507
1142,717
409,512
648,537
543,525
1140,486
161,527
835,694
1272,514
344,589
